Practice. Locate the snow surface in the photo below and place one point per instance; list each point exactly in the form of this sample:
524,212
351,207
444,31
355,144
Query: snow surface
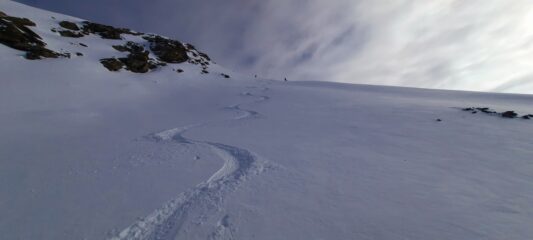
90,154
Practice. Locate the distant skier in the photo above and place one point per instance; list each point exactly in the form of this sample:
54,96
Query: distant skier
285,79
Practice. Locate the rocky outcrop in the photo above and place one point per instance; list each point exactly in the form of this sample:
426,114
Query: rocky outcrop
69,25
105,31
71,34
72,29
505,114
14,33
509,114
167,50
112,64
138,60
130,47
143,54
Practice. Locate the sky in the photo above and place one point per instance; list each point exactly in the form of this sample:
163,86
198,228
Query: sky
479,45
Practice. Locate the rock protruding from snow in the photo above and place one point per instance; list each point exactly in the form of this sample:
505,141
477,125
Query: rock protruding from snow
167,50
15,33
106,31
505,114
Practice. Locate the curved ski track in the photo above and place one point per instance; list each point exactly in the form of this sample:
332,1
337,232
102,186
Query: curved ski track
167,222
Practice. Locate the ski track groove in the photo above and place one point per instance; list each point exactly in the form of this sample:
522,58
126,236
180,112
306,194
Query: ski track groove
167,222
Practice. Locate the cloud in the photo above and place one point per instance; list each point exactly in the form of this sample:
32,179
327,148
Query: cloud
484,45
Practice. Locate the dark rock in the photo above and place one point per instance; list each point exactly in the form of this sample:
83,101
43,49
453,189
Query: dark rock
83,45
167,50
138,62
112,64
225,75
509,114
69,25
438,120
129,47
152,64
205,56
18,36
120,48
179,70
20,21
40,53
506,114
138,59
14,33
190,47
79,54
486,110
204,71
528,116
105,31
72,34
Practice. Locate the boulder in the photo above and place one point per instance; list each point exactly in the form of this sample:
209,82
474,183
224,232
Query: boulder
167,50
71,34
14,33
486,110
528,116
20,21
129,47
112,64
105,31
509,114
69,25
138,59
137,62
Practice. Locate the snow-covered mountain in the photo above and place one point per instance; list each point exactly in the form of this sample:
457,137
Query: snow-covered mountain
108,133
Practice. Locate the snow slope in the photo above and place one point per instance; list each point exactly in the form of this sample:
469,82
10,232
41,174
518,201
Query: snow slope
87,153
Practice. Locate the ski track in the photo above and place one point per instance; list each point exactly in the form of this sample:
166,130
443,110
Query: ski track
167,222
